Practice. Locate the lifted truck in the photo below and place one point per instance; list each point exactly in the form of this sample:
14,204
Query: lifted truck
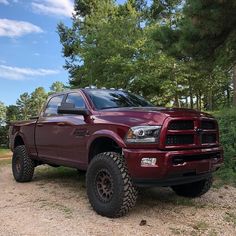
123,142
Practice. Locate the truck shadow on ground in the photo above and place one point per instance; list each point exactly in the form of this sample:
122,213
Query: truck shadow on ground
74,180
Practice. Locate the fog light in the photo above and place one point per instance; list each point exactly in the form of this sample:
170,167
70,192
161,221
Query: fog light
147,161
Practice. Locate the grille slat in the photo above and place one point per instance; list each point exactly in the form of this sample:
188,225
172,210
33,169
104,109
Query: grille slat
208,138
181,125
191,132
208,124
182,139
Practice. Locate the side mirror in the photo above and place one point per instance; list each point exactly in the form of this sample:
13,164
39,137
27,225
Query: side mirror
69,108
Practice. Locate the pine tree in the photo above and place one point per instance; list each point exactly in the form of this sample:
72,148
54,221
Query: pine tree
208,34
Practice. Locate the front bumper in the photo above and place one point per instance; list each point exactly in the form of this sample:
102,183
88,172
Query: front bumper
197,164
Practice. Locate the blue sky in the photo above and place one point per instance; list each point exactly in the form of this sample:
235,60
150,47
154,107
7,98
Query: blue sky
30,51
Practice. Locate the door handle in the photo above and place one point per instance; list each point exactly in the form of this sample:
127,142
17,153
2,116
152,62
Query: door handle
40,125
61,124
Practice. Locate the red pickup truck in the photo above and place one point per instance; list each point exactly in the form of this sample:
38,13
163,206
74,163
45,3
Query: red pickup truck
123,142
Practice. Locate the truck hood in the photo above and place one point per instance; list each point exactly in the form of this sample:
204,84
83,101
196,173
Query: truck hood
147,115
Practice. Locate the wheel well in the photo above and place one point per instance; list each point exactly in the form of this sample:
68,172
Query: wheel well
18,141
101,145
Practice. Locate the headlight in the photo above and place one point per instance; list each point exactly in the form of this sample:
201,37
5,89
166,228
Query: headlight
143,134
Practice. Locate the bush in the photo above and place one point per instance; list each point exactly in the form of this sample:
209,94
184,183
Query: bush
3,136
227,125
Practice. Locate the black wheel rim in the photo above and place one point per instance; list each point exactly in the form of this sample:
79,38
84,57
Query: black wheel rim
104,185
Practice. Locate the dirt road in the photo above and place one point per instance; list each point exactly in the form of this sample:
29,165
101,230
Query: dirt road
55,203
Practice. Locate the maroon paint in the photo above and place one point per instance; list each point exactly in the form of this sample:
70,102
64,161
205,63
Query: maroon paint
56,139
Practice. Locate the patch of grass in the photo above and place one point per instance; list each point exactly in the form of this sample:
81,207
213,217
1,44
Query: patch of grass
182,201
64,209
63,176
212,233
230,217
4,151
58,171
176,231
225,176
200,226
155,197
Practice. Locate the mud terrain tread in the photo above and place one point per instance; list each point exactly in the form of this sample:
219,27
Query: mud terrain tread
129,192
27,165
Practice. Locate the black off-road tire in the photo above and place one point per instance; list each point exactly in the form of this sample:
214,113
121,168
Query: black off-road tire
22,165
123,196
195,189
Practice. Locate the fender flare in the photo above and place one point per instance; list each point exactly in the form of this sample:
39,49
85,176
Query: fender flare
20,134
106,134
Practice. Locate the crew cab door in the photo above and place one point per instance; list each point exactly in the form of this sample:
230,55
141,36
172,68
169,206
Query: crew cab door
61,139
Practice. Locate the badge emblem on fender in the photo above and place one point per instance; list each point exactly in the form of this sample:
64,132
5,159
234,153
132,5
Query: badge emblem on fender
80,132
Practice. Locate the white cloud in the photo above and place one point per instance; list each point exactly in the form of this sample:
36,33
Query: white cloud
21,73
54,7
12,28
4,2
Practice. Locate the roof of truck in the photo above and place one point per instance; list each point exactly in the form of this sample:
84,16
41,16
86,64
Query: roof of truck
86,88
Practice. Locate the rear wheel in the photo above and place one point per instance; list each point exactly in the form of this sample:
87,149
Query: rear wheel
109,186
22,165
195,189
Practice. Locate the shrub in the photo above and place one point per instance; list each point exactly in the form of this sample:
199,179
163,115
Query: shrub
3,136
227,125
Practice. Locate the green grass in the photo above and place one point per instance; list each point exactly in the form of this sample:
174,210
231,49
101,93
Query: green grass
200,226
60,172
51,205
177,231
225,176
230,217
4,151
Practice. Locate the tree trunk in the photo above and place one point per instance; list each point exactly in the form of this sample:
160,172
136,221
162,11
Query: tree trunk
234,85
210,101
228,95
197,98
176,102
191,93
200,101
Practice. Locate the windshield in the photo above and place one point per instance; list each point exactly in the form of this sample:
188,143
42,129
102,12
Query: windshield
105,99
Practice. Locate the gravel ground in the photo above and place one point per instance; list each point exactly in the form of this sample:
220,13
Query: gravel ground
55,203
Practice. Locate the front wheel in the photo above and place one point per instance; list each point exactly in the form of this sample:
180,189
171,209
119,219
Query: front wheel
195,189
22,165
109,186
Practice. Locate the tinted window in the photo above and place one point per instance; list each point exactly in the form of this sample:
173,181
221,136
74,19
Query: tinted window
105,99
52,106
76,99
